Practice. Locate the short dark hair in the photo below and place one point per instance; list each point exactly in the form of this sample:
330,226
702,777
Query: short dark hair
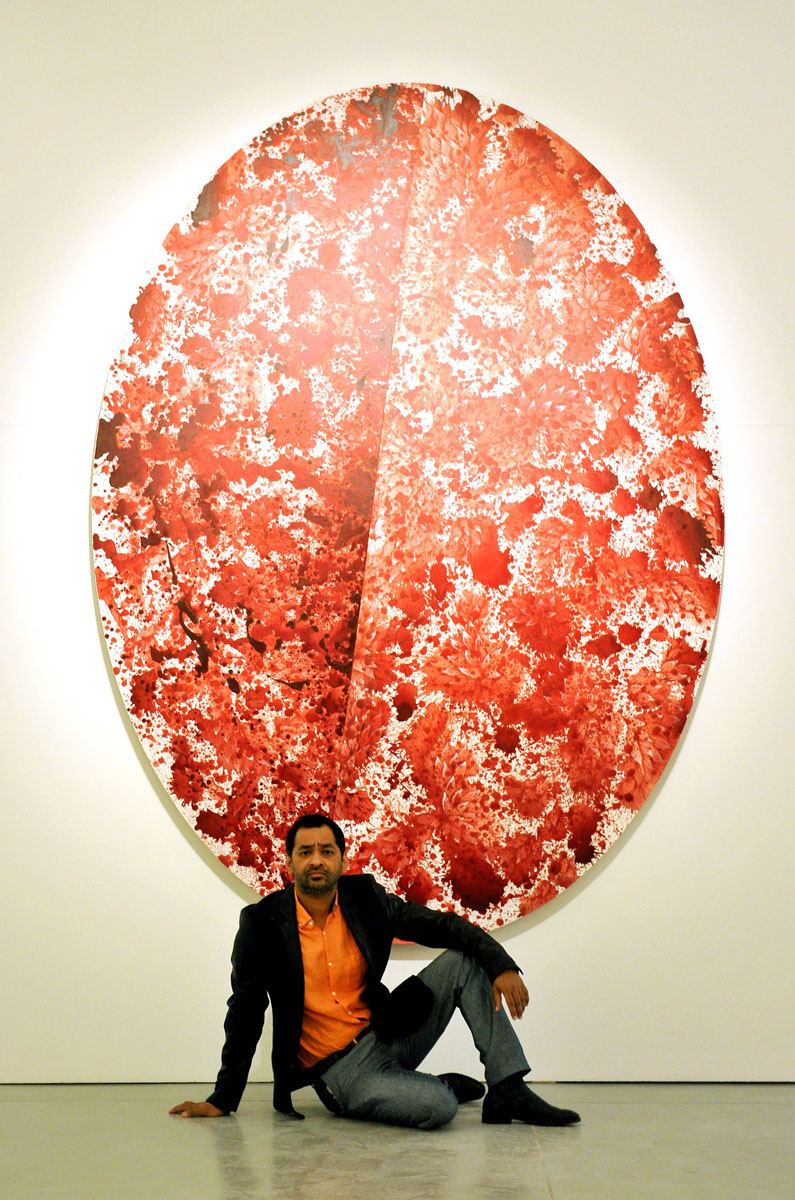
313,821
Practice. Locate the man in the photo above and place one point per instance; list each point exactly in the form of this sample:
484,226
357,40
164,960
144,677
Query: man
317,951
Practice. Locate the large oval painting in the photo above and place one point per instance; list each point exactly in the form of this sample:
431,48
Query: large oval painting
407,502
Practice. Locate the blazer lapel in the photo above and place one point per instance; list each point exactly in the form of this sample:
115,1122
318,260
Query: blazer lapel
288,926
357,927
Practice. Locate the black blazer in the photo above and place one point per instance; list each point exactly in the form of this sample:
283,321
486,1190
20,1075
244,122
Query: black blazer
267,967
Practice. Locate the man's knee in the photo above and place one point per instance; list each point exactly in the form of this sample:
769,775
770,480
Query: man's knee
415,1100
452,967
435,1110
454,958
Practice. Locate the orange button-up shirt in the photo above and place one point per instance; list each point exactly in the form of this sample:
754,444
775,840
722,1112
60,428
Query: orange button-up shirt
334,971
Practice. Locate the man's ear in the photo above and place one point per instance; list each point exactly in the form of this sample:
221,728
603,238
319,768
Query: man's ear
289,863
344,863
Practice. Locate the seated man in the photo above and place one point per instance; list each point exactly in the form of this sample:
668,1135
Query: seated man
317,951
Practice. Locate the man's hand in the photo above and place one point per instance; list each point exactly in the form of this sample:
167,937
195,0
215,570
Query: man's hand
510,986
189,1108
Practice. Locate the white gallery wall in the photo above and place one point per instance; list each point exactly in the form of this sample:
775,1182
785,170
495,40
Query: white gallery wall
673,958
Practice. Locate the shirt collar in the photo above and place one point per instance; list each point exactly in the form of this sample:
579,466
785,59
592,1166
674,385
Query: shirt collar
305,921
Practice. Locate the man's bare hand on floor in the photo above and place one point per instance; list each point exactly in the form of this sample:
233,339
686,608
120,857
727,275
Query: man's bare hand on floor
189,1108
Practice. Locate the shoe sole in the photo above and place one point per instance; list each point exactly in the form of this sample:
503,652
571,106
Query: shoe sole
507,1119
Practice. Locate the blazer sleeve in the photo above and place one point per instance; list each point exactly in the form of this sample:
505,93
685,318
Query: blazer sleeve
245,1015
416,923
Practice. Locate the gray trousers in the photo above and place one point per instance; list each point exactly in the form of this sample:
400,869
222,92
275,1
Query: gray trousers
378,1081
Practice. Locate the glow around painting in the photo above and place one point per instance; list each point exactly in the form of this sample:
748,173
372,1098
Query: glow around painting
407,502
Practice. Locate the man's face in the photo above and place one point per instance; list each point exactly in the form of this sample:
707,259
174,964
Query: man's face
316,862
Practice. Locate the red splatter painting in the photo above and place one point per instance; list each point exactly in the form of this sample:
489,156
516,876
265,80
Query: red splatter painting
407,502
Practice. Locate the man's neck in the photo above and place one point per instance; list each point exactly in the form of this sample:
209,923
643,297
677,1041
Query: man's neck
318,907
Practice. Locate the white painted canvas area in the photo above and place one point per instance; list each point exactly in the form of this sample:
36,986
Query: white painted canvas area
117,925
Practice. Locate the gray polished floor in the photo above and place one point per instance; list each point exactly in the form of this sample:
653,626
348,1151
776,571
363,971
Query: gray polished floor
636,1141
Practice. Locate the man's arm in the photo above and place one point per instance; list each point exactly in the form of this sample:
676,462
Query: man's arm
245,1017
416,923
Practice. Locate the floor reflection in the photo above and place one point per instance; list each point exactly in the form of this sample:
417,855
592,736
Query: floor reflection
654,1142
260,1153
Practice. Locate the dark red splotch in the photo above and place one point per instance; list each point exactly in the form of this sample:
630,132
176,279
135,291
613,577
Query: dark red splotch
603,647
474,882
507,738
440,581
379,529
598,480
650,498
583,823
679,536
129,461
521,515
563,871
624,503
488,562
405,701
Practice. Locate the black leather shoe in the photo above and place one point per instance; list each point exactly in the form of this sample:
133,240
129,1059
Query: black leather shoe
463,1087
513,1101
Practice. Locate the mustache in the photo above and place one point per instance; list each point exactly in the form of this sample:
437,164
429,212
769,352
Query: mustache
316,880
